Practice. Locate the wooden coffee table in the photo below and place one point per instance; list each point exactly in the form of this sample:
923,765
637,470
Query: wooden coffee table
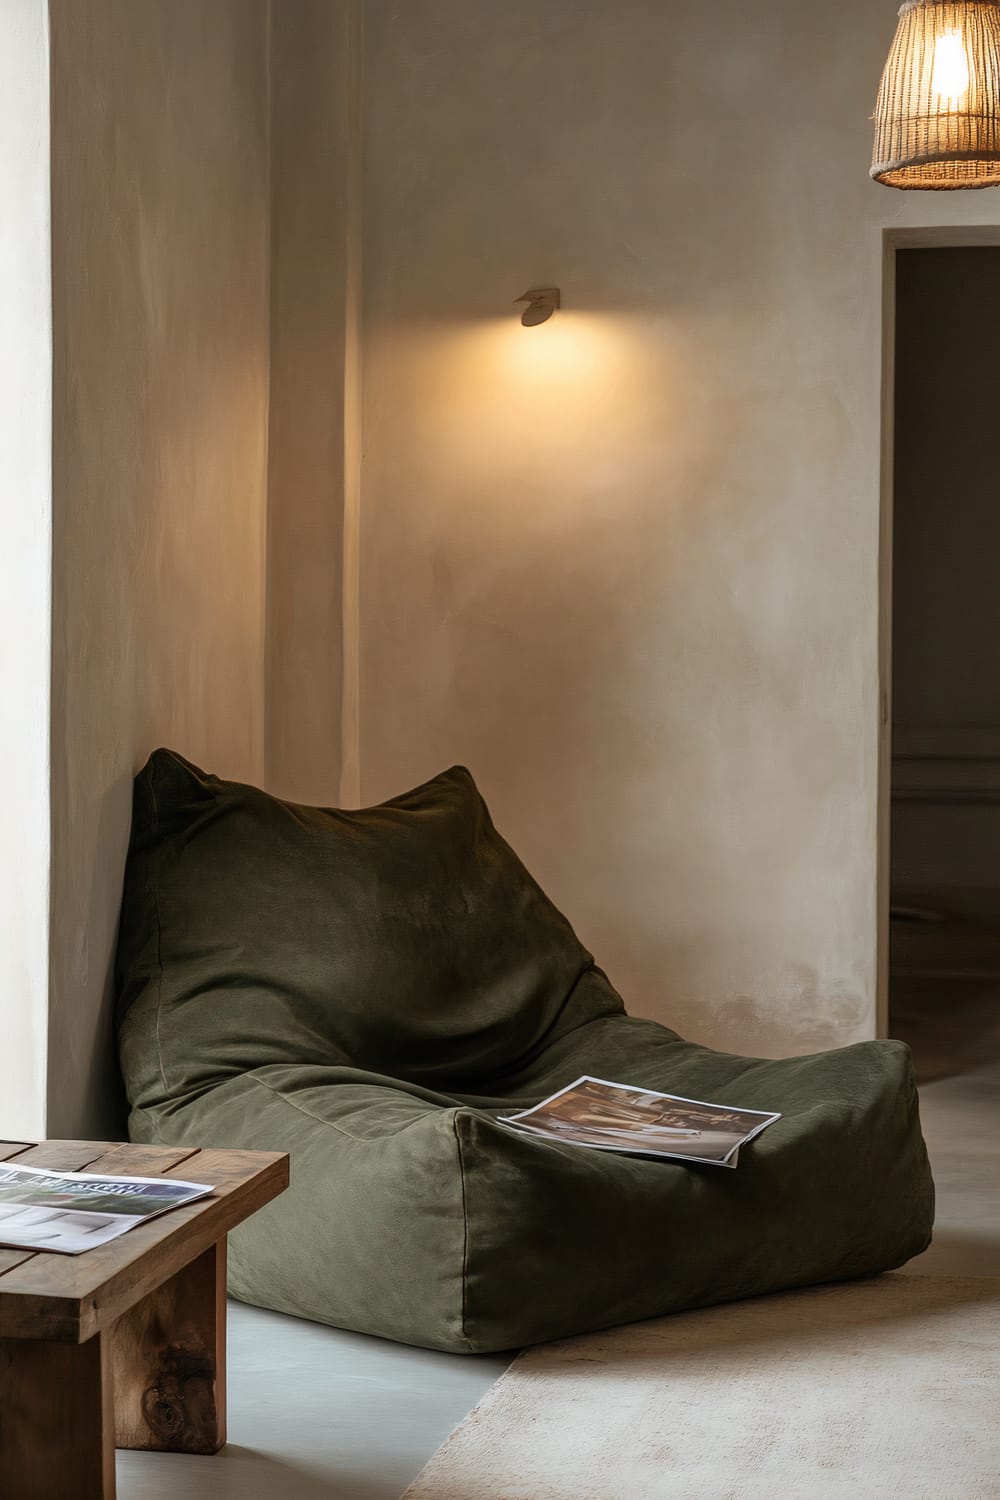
125,1345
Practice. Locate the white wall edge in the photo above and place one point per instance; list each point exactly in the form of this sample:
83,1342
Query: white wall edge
26,529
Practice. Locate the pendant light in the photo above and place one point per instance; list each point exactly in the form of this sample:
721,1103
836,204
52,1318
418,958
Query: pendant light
937,119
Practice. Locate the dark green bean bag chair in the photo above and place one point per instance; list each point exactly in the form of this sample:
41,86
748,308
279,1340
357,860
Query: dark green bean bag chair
369,990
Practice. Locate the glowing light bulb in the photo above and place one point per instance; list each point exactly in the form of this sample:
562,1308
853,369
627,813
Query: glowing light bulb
950,75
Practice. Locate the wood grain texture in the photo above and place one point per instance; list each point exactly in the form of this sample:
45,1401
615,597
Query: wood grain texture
141,1161
65,1156
11,1258
56,1421
9,1149
73,1297
169,1358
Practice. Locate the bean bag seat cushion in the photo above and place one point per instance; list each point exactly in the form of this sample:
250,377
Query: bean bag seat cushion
369,991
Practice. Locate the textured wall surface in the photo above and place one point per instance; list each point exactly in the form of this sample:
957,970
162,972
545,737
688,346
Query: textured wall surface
625,566
311,143
25,548
160,313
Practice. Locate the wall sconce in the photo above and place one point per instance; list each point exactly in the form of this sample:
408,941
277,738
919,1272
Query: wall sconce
542,302
937,119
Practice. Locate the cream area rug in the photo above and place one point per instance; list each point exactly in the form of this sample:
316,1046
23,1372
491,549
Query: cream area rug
878,1390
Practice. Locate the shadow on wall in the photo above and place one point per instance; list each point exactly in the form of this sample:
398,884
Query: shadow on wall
85,1084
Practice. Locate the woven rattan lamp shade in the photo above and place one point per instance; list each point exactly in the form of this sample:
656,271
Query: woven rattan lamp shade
937,119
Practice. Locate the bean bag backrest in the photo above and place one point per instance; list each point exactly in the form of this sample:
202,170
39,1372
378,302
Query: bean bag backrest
406,939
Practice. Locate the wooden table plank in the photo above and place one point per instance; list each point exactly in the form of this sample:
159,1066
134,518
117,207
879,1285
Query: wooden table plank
65,1156
141,1161
9,1149
71,1297
9,1258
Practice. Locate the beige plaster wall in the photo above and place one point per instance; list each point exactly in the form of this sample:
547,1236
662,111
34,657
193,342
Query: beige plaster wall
313,141
25,549
625,566
160,311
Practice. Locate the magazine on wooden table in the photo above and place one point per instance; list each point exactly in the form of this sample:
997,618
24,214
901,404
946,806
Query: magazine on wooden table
74,1211
621,1117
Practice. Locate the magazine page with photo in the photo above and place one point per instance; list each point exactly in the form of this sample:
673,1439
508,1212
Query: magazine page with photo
609,1116
71,1212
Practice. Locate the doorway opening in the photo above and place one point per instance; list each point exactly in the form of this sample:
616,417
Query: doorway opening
941,639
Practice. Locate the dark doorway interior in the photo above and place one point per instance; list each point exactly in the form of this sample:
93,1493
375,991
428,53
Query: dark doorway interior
944,969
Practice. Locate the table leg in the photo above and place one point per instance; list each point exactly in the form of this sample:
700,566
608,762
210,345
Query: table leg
56,1421
170,1362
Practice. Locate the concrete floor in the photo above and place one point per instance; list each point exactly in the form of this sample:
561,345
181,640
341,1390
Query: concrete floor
961,1115
316,1414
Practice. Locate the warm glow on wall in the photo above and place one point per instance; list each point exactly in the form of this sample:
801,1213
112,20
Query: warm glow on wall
572,362
937,119
587,394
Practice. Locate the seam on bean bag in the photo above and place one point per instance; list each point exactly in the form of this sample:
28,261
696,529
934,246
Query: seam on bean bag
159,947
464,1329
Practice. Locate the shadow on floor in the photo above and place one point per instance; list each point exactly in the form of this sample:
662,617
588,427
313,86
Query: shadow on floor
240,1473
956,1254
810,1316
951,1024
